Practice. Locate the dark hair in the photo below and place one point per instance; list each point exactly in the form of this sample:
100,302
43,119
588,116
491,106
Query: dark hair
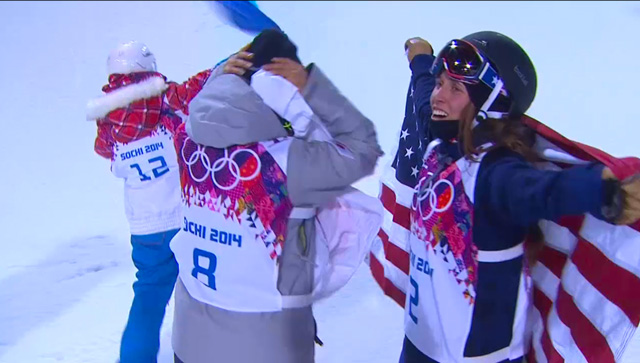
512,134
269,44
509,133
533,244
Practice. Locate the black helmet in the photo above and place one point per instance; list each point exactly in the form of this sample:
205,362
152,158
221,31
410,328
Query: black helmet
513,66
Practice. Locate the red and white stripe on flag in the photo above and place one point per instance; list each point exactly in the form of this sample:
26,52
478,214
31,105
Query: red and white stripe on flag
586,290
389,258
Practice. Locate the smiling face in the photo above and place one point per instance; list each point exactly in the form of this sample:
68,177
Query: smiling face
449,99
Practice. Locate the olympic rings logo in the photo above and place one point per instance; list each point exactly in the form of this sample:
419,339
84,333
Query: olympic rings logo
437,203
201,156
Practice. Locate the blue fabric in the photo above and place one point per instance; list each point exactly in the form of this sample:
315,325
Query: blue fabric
411,354
155,280
417,116
246,16
495,307
520,195
423,83
243,15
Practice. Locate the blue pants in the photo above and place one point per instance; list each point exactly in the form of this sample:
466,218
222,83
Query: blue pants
156,278
411,354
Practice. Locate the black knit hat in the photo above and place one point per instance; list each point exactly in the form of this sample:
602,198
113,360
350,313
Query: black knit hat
269,44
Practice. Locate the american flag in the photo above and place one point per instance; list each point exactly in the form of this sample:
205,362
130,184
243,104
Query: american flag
389,260
586,282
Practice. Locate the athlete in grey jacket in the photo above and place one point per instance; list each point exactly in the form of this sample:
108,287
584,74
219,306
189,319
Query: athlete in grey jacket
244,326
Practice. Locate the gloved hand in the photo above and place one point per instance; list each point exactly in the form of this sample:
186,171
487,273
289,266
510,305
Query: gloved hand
623,204
415,46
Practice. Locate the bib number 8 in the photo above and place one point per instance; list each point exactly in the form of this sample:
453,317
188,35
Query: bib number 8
201,267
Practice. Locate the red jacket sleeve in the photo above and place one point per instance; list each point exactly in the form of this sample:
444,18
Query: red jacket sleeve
179,95
103,145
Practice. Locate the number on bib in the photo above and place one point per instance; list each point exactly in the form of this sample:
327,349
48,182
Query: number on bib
204,268
413,300
143,177
161,169
158,171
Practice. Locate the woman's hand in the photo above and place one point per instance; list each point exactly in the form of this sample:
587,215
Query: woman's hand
291,70
415,46
238,63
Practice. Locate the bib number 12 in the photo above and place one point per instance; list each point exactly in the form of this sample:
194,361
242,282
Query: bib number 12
158,171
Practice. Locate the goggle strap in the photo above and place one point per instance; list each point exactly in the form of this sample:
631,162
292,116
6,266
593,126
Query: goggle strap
493,96
484,70
484,110
497,115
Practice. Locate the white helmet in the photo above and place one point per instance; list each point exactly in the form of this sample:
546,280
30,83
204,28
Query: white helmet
131,57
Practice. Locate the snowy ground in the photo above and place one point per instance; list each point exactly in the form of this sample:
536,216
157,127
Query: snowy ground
71,307
65,267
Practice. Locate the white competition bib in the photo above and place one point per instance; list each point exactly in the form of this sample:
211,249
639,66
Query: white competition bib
224,265
144,160
429,275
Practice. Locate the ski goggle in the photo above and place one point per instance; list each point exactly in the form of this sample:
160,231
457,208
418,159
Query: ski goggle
463,62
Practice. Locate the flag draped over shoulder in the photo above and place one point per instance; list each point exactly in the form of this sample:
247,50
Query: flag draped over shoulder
586,289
